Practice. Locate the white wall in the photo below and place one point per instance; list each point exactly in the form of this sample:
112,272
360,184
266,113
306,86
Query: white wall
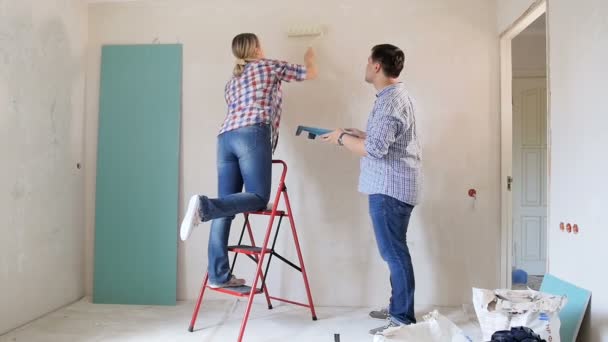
453,73
578,39
42,68
510,10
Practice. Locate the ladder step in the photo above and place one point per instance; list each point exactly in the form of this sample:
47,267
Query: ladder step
267,212
240,291
245,249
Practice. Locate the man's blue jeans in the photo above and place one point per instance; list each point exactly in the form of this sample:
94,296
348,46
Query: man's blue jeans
244,157
390,218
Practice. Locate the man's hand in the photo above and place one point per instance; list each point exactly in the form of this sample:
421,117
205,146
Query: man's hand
356,133
332,137
351,142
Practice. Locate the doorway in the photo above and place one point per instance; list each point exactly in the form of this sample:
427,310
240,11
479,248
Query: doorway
529,181
524,146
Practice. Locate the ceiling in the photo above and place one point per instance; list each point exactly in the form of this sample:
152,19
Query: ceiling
538,27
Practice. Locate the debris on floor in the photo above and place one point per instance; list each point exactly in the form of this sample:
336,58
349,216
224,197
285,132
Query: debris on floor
434,328
505,309
518,334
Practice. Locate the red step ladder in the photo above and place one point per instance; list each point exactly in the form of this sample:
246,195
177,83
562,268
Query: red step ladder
257,254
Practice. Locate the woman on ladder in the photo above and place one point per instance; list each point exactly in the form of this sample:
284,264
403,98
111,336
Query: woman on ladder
245,146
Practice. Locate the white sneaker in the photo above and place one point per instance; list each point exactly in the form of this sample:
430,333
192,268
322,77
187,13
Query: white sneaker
380,314
390,324
233,282
192,217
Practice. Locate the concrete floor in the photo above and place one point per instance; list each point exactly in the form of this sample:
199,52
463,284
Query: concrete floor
534,282
218,321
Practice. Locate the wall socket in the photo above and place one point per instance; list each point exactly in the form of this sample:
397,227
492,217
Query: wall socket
569,227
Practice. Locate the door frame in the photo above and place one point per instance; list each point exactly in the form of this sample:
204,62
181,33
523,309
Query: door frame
506,136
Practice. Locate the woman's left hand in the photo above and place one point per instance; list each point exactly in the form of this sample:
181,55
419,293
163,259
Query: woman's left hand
332,137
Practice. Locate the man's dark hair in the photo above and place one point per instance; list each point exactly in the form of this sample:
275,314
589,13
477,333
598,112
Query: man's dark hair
390,58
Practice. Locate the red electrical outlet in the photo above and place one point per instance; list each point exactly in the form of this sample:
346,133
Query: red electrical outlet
473,193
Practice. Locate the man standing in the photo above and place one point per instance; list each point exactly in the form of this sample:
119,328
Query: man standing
390,175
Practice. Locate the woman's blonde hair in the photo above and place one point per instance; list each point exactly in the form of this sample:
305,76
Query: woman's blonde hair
244,48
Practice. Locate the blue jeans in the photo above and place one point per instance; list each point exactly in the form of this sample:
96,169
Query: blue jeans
390,218
244,157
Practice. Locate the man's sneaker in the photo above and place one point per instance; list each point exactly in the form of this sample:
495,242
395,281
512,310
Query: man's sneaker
233,282
379,314
389,324
192,217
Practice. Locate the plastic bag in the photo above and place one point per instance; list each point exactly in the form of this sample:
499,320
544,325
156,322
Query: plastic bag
434,328
505,309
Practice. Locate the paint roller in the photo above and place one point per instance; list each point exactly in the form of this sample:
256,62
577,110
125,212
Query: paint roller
315,31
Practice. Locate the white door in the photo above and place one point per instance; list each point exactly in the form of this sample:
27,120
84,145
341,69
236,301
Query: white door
530,174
